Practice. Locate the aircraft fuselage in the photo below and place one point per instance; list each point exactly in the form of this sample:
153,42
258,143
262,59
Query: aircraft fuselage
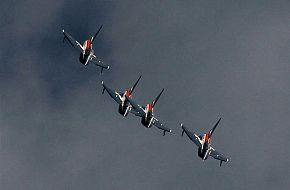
148,118
125,107
85,56
204,150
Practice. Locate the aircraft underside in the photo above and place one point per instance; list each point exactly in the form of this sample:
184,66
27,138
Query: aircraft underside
202,153
147,121
124,110
83,58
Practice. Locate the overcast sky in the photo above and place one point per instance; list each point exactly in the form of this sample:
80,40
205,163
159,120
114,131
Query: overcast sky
214,58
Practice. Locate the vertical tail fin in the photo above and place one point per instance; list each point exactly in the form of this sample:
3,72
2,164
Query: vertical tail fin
94,37
155,101
211,131
132,89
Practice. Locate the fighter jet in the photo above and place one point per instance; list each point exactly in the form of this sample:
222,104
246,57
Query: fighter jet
204,144
147,114
122,98
86,50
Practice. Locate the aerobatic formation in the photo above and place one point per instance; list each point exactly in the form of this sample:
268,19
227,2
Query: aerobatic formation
127,105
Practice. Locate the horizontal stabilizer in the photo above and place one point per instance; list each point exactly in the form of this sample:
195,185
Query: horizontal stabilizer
159,125
99,63
216,155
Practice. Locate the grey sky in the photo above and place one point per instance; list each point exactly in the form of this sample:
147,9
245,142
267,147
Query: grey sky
228,59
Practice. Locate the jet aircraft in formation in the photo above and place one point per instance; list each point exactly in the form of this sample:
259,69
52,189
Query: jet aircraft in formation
127,105
122,98
147,114
86,50
204,144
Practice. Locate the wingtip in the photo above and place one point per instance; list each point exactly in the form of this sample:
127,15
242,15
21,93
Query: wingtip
181,124
102,82
62,30
108,67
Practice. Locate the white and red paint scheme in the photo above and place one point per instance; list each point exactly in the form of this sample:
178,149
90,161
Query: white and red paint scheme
148,119
147,114
86,50
87,53
204,143
125,107
122,98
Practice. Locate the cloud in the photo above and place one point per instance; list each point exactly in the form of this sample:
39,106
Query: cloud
228,59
